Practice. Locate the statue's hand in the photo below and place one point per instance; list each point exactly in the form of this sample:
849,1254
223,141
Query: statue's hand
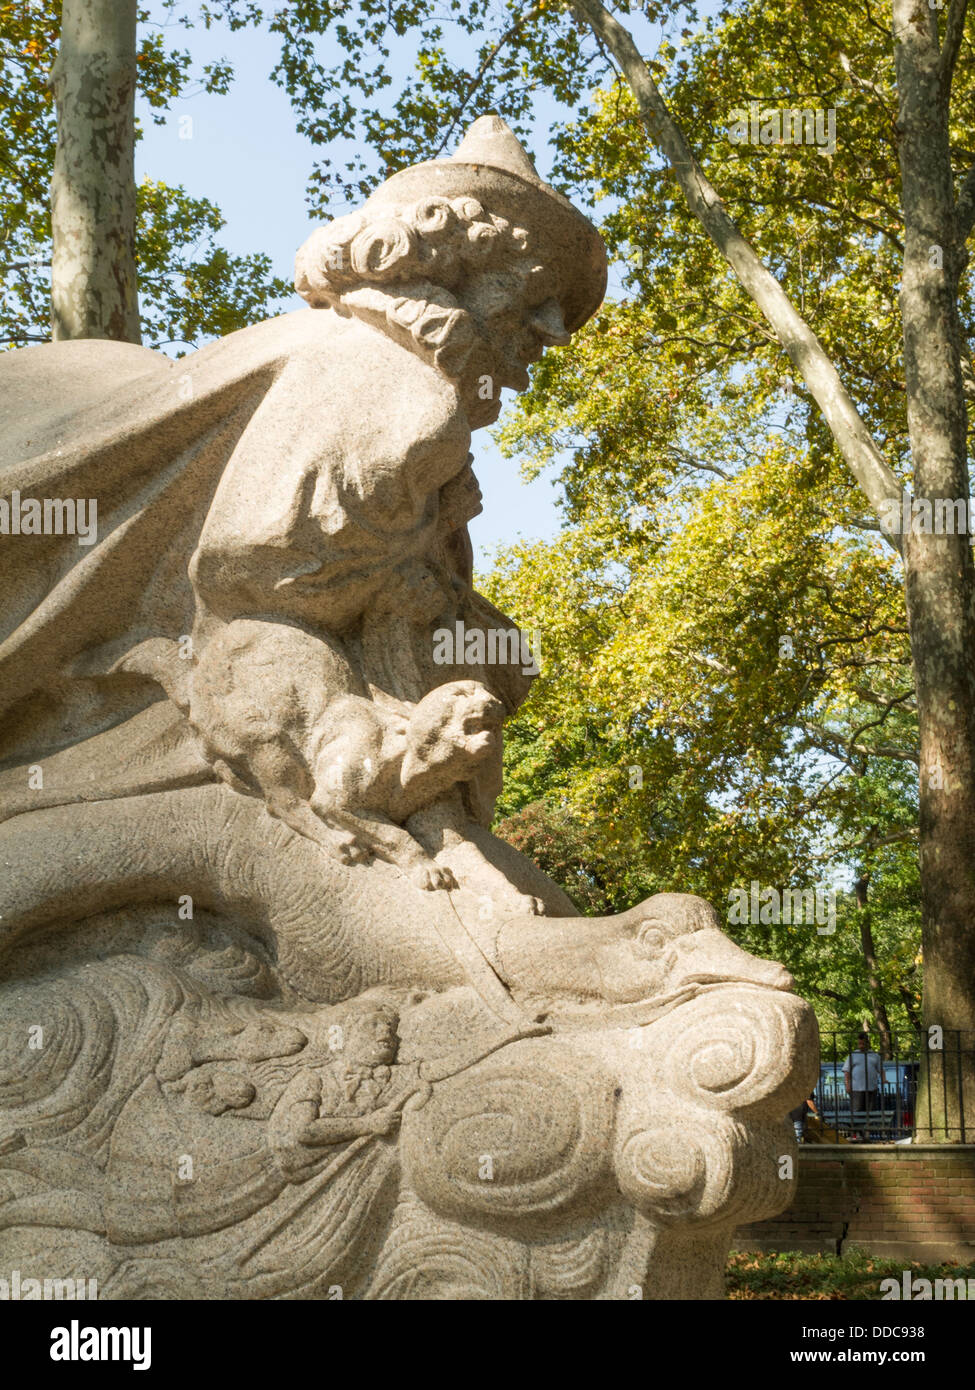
382,1121
417,1099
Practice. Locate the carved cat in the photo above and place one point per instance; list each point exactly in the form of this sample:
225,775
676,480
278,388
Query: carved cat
283,717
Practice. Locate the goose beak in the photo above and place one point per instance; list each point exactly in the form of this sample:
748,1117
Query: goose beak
709,957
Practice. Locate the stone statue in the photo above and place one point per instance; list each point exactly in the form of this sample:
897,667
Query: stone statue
279,1016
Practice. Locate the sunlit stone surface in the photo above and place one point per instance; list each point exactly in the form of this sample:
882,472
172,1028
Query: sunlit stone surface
279,1017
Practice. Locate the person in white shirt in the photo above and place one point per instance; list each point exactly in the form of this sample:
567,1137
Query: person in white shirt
861,1074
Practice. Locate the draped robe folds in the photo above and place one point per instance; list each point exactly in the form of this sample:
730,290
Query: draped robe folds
283,471
286,472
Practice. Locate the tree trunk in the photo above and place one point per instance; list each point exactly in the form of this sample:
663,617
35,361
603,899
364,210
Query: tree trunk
93,278
877,1005
940,575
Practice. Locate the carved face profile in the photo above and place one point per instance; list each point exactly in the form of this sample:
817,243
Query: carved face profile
362,1033
516,315
472,261
371,1039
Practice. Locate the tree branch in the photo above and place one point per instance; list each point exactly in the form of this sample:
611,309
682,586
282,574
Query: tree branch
871,697
489,58
863,84
954,31
838,747
803,347
825,993
893,837
965,206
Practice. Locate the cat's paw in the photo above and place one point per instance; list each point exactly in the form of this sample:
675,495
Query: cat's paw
430,877
352,850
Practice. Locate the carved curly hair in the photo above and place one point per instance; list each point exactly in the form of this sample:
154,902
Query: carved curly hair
438,240
407,264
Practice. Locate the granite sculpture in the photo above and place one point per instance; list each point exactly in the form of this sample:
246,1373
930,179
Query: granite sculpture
279,1016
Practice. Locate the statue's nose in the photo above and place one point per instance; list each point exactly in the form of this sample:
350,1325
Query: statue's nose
549,324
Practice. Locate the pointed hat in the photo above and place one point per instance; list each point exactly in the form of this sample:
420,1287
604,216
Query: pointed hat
491,165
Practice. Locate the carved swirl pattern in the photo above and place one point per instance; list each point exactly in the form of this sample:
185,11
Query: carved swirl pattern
522,1134
735,1049
433,1258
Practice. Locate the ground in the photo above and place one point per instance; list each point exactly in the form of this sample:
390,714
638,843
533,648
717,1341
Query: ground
855,1275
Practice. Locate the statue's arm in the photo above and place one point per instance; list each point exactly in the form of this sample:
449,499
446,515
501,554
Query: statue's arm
327,489
294,1112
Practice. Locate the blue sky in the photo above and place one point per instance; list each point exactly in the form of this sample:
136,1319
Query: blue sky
244,154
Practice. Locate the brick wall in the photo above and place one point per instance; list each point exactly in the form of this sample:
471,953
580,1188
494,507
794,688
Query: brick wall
914,1202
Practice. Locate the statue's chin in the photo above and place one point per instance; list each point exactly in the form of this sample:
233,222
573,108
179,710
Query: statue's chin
485,377
481,413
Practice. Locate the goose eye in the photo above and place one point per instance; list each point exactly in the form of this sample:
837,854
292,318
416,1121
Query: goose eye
651,940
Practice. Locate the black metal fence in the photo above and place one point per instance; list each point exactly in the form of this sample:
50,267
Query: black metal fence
917,1088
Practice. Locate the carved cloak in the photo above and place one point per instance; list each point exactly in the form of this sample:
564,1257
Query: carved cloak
296,462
